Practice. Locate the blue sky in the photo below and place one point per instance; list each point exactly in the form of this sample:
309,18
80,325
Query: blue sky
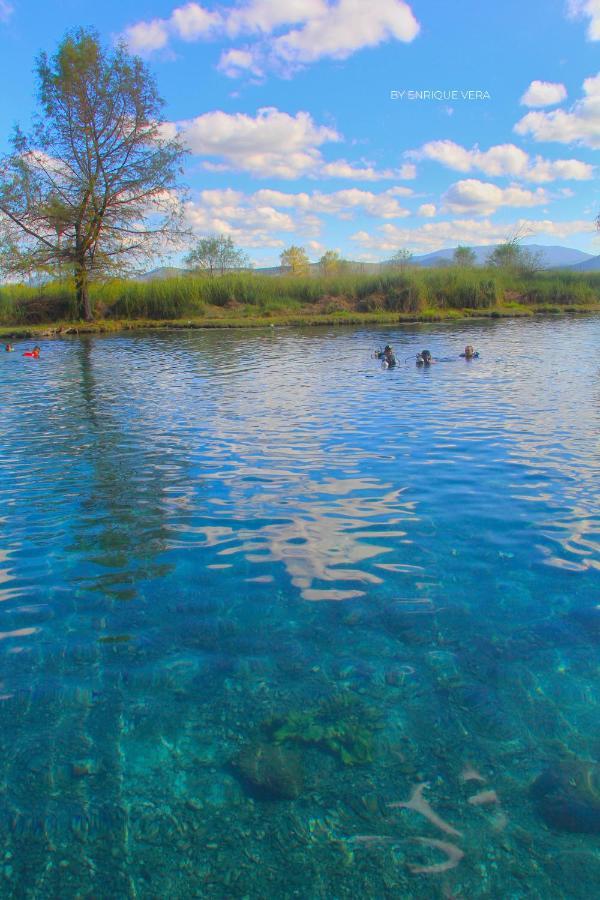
286,107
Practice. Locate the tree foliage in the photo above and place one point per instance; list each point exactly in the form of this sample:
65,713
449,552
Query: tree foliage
464,257
331,263
216,253
295,260
401,259
513,257
93,189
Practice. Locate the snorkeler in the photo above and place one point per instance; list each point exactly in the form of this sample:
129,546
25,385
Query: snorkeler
9,348
424,358
387,357
470,352
33,354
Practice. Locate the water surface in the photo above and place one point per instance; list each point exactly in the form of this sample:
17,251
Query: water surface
255,588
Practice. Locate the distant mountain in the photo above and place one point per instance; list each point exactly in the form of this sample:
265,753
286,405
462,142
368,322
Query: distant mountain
162,272
552,257
588,265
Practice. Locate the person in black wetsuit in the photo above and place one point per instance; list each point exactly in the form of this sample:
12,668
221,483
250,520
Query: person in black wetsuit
470,352
387,357
424,358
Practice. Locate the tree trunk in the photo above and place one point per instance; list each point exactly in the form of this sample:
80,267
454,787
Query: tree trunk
84,308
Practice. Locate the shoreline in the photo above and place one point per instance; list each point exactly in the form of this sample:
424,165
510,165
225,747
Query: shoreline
301,319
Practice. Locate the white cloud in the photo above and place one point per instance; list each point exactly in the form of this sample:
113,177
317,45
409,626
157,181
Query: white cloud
6,10
235,63
271,144
264,16
545,170
482,198
226,212
275,144
262,218
284,34
579,125
428,210
544,93
146,37
475,232
588,9
342,204
345,27
343,169
192,22
501,160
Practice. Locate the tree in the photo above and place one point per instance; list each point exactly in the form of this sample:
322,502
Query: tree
330,263
401,259
93,189
216,253
464,257
513,257
296,260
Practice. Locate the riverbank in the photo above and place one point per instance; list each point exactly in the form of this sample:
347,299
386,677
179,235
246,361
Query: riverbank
250,300
222,318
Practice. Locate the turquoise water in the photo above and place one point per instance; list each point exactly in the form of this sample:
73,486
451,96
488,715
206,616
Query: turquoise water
255,589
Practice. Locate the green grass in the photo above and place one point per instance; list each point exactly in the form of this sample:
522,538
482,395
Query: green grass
416,294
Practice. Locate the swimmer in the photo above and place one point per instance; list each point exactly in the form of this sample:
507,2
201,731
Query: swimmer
9,348
33,354
424,358
470,352
387,357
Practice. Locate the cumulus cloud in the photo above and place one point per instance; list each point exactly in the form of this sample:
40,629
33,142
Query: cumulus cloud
275,144
578,125
146,37
272,143
433,235
503,160
6,10
235,63
266,217
192,22
343,169
588,9
264,16
347,26
226,212
342,204
189,23
428,210
544,93
282,35
482,198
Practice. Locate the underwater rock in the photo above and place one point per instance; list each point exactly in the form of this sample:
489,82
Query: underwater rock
567,796
270,771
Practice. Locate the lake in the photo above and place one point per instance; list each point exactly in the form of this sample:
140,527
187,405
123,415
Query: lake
256,589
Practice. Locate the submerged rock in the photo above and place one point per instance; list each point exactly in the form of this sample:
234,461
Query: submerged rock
270,771
567,796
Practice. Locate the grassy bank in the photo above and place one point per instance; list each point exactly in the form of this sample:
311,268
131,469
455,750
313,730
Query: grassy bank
247,300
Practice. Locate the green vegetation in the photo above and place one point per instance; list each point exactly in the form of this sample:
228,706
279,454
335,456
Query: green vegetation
295,260
216,254
92,191
342,725
248,298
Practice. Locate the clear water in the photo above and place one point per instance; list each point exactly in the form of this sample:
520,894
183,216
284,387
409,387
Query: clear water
206,537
